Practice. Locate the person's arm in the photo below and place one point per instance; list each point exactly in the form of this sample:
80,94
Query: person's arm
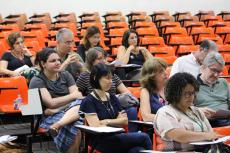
120,121
122,88
145,107
185,136
72,57
208,112
57,102
4,70
28,53
145,52
123,54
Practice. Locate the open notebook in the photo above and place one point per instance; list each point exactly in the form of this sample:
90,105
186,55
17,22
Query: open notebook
223,139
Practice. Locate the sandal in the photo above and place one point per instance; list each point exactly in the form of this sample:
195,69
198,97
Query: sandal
53,132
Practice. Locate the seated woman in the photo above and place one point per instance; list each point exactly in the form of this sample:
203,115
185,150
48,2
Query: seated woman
17,57
214,92
58,90
96,55
153,80
180,123
108,112
91,39
131,53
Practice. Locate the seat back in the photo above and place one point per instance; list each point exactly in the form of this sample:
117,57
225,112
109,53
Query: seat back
225,130
10,88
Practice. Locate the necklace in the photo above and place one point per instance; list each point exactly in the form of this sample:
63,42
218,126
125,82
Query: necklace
18,56
107,105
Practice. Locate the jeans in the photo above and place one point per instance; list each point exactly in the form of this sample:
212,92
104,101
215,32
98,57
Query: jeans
124,143
132,115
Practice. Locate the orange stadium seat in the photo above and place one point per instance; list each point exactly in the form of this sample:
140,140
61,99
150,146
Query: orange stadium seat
146,32
9,90
186,49
225,130
152,41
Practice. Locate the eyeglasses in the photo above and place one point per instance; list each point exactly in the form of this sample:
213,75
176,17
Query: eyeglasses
69,42
215,71
189,94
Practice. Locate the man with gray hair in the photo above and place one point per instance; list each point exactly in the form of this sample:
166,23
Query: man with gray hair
214,92
71,61
191,63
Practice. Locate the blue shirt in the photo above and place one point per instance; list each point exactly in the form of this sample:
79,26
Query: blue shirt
156,102
92,105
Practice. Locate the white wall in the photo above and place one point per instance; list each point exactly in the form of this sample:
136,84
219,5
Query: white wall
78,6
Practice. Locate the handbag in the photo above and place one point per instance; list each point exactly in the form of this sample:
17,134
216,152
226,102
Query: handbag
218,148
127,100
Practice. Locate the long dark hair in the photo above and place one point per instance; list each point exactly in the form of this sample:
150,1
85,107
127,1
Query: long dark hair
126,35
89,33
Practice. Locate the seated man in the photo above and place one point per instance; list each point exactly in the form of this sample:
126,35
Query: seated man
70,60
214,92
191,63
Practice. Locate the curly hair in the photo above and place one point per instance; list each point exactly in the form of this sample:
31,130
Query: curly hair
150,68
176,85
125,38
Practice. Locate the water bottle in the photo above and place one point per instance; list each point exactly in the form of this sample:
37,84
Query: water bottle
17,102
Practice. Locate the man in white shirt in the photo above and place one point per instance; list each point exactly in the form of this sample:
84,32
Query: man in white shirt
191,63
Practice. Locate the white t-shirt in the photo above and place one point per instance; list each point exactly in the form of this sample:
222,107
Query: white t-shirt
187,64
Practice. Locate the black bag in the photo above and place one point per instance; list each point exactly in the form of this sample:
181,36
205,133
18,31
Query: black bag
218,148
128,100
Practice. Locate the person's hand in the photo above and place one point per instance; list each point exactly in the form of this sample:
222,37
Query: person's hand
50,111
131,47
14,74
208,112
143,50
122,114
212,135
26,51
72,57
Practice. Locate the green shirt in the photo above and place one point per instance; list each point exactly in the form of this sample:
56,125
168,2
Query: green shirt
215,97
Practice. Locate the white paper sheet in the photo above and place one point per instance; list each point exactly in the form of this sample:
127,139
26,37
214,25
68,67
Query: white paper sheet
223,139
102,129
7,138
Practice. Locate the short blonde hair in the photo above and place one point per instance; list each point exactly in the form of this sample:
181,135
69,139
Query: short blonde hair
150,68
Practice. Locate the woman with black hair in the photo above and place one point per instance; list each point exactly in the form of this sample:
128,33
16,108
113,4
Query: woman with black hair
130,52
180,123
107,112
58,91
